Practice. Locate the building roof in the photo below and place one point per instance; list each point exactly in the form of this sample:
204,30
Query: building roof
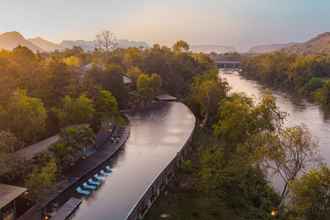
31,151
166,98
9,193
126,79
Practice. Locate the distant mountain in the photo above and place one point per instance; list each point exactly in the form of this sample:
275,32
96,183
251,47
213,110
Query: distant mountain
11,40
269,48
90,45
127,43
86,45
317,45
208,48
45,44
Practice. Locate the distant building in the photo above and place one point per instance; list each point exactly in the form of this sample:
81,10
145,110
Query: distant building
127,80
8,196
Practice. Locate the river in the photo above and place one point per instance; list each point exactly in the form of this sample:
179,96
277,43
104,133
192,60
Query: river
300,111
155,139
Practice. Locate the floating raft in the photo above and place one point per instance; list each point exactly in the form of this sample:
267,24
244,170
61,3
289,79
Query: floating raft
67,209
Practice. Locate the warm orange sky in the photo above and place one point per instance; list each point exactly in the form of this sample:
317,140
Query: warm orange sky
239,23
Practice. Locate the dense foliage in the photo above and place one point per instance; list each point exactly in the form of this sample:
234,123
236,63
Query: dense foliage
72,145
310,195
307,75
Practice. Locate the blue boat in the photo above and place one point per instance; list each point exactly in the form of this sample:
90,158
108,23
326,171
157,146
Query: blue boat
105,173
82,191
94,182
108,168
87,186
98,177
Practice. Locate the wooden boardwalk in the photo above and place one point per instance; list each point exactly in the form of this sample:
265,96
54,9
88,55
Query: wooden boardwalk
77,173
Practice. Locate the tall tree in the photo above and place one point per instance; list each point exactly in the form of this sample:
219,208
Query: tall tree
310,195
26,116
148,86
75,111
106,41
42,179
106,107
206,93
290,153
181,46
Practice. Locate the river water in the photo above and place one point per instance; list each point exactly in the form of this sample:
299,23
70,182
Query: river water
156,137
299,110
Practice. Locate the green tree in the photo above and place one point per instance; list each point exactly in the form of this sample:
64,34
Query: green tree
240,123
8,144
181,45
26,116
134,73
72,145
313,84
235,120
310,197
206,93
148,86
238,183
41,180
72,61
106,106
290,153
111,79
65,155
132,57
63,81
323,94
75,111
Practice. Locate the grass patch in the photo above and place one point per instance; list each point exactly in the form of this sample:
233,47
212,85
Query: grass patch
190,205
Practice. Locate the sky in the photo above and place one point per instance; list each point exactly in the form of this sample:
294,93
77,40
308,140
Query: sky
238,23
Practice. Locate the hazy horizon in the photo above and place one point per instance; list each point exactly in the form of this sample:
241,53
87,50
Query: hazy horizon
241,23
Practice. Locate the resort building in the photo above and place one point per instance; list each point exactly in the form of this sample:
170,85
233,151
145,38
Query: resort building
8,196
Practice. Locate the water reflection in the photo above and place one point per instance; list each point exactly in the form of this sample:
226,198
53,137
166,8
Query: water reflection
300,111
156,137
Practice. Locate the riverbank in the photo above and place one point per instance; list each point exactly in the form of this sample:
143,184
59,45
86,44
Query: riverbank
78,172
299,74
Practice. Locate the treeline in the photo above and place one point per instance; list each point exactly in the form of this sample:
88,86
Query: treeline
74,93
306,75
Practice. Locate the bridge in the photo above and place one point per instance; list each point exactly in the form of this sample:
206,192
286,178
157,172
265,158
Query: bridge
224,64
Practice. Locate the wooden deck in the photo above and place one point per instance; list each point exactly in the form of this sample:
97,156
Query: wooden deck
67,209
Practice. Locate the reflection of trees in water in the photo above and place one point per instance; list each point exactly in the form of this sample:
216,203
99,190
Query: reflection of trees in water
325,112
